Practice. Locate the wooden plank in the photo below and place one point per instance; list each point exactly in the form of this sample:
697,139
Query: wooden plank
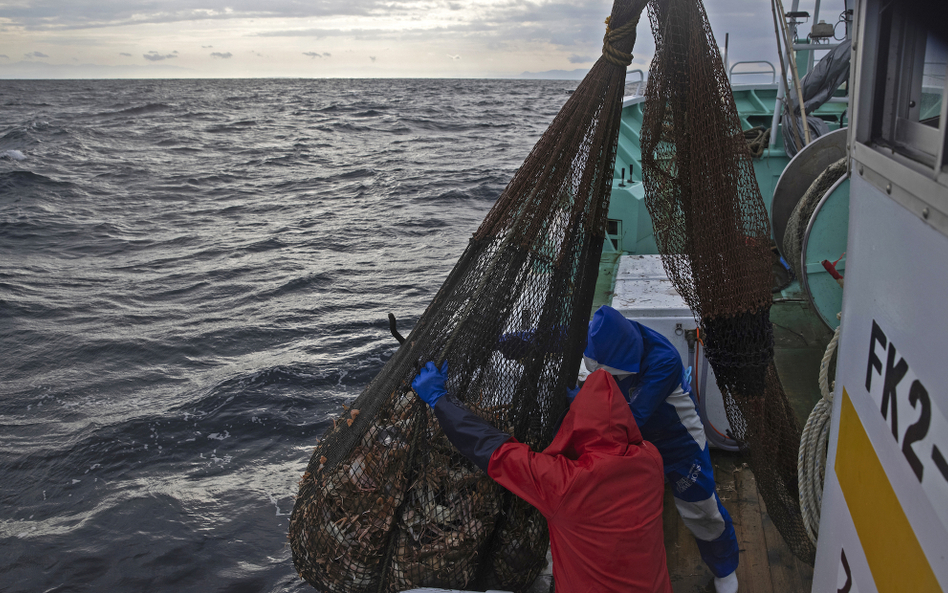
753,571
786,571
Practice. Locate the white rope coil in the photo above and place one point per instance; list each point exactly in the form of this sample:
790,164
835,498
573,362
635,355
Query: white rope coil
811,464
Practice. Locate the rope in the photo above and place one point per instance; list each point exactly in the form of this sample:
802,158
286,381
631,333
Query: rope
811,466
758,139
615,56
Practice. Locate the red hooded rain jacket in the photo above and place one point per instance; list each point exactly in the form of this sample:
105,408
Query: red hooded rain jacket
600,487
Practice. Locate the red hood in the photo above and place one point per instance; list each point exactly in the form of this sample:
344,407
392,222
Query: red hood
599,419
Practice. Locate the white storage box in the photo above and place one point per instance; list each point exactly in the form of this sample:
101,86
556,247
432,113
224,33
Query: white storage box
644,294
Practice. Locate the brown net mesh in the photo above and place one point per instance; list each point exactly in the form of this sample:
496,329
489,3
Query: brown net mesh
386,502
713,233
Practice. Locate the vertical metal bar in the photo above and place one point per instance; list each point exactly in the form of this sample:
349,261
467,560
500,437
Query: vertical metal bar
793,71
782,89
942,127
778,107
727,67
816,19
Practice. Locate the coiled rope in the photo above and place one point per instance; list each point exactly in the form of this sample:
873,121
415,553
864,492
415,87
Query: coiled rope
613,55
811,466
758,139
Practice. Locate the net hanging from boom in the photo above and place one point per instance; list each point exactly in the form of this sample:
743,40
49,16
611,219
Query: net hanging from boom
713,233
387,503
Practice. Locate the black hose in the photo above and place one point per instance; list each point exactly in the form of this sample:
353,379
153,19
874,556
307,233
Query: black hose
391,327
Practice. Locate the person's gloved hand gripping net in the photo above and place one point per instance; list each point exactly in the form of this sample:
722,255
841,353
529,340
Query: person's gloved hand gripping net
598,484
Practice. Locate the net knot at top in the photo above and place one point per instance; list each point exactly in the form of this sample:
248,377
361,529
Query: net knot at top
613,55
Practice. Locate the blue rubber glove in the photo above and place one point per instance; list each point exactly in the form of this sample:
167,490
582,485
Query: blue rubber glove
571,394
686,380
429,384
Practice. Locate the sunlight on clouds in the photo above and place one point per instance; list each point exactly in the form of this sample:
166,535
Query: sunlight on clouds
392,38
334,38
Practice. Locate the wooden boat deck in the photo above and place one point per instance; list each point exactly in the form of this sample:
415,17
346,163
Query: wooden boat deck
766,563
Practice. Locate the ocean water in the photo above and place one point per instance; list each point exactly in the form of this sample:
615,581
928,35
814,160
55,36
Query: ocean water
195,277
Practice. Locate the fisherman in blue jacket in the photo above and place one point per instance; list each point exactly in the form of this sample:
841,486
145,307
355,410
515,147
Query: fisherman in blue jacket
650,374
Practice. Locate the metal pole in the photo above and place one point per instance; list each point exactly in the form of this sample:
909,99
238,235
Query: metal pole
793,71
778,107
816,19
727,67
780,103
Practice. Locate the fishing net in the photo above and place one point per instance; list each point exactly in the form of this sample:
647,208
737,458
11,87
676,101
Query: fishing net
713,233
387,503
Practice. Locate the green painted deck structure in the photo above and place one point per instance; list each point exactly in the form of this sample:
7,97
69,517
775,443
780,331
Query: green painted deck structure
800,335
755,106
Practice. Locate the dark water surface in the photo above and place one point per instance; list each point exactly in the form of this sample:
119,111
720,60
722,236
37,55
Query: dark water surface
194,278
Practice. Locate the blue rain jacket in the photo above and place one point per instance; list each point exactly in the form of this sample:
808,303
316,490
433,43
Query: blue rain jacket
621,345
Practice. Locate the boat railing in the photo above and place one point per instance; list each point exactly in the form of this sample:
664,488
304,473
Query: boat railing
634,88
772,71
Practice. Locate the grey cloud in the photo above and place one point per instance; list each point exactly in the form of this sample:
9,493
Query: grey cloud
507,16
55,14
559,24
458,57
154,56
127,55
574,59
374,34
309,33
36,54
4,56
372,58
575,26
224,56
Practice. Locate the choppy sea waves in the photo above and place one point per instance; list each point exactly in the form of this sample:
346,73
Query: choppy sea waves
195,277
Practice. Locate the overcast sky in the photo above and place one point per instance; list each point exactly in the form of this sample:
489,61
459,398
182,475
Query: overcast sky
337,38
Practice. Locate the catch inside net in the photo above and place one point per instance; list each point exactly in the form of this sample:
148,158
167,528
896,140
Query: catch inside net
713,233
386,502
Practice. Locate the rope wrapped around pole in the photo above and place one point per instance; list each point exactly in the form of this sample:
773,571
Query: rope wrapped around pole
609,51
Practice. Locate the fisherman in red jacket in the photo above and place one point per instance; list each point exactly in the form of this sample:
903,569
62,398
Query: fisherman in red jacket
598,484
